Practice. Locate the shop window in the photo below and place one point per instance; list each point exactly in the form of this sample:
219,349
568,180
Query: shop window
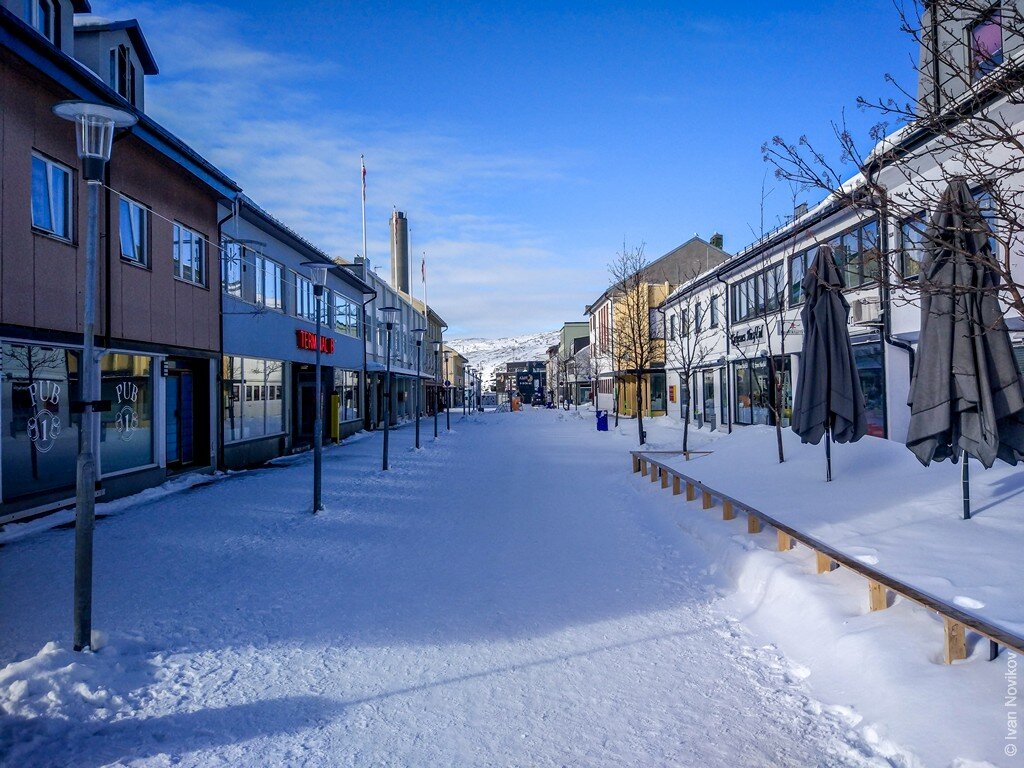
51,197
126,430
346,385
134,231
872,383
40,441
253,398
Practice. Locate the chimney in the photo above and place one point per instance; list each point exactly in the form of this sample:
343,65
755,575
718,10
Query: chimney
399,252
800,210
718,240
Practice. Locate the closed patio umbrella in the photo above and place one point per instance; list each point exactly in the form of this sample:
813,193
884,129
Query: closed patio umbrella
828,400
966,397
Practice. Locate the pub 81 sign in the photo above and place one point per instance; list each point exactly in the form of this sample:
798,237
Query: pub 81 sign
127,420
45,425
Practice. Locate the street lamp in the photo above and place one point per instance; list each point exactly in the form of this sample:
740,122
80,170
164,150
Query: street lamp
437,377
467,375
318,275
418,334
389,316
94,132
447,394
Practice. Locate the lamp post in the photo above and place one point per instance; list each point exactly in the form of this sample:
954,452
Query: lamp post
467,375
447,394
437,377
417,334
94,132
390,316
318,275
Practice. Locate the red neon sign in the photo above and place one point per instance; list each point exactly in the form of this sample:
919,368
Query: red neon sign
307,340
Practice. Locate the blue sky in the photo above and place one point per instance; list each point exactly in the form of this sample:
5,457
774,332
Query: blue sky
524,144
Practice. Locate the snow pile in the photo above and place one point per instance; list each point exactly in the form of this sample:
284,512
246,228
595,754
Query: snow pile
56,691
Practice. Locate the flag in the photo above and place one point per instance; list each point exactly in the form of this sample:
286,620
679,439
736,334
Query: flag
423,269
363,164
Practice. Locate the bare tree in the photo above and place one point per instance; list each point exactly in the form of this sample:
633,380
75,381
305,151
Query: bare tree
636,338
689,341
961,122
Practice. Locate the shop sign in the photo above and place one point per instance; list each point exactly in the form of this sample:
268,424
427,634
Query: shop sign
307,340
44,426
671,393
754,333
127,420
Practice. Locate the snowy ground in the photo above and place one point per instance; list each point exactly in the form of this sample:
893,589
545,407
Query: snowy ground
510,595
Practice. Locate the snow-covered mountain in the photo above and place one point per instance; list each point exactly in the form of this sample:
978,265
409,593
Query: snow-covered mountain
488,354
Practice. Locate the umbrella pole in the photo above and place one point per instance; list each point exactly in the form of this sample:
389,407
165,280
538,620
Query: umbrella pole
828,455
965,482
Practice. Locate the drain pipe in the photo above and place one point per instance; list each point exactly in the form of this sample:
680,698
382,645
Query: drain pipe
885,293
728,378
366,373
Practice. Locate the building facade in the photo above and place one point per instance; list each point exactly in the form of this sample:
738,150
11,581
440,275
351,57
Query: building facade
269,334
616,376
158,307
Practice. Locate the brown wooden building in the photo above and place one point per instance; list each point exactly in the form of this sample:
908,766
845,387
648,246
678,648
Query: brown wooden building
158,313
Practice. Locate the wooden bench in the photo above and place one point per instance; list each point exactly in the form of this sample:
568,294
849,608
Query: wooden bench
955,620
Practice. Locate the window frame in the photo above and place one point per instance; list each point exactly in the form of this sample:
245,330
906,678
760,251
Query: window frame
33,8
177,264
122,66
49,164
259,292
147,245
979,67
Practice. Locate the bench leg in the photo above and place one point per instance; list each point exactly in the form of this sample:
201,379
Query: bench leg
955,641
785,541
878,596
643,468
993,650
636,464
753,524
676,490
707,500
655,471
824,562
727,511
664,479
691,492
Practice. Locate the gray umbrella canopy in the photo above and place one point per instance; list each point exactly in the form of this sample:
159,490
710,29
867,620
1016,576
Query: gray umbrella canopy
966,393
828,396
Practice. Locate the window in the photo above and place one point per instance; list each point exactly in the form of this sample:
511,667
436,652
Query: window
253,398
305,301
346,316
122,72
713,312
684,323
39,438
758,293
985,38
988,212
912,243
269,283
126,430
798,264
672,328
231,268
134,231
346,385
189,255
696,317
51,197
655,324
40,16
857,254
774,283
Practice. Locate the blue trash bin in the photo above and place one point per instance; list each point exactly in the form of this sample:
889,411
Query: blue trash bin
602,421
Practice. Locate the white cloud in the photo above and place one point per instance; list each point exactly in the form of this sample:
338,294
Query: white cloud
270,121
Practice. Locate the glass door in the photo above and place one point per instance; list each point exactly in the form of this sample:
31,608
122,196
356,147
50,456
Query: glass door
708,392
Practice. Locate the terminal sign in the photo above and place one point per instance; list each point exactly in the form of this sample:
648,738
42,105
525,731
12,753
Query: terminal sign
307,340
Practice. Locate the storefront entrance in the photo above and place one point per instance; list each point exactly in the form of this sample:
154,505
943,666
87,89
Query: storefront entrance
708,397
763,391
180,401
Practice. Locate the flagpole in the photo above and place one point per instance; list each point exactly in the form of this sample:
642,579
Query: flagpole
362,181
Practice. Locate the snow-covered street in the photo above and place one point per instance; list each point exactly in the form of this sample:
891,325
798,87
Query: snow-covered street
507,596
